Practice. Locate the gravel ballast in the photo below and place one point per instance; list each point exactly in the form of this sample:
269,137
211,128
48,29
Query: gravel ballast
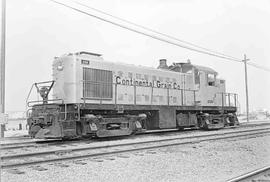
206,161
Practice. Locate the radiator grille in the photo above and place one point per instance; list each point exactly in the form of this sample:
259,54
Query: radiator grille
97,83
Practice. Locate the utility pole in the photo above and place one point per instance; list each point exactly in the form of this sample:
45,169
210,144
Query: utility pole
246,82
2,65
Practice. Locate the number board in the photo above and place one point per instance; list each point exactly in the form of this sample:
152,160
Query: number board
86,62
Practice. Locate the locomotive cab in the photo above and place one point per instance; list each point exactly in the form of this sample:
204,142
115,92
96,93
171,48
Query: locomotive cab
210,93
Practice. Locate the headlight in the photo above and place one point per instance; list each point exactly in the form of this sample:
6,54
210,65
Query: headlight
60,67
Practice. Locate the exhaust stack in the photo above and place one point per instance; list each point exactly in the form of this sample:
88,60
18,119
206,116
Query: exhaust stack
163,64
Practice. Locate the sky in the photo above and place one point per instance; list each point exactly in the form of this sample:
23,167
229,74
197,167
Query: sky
39,30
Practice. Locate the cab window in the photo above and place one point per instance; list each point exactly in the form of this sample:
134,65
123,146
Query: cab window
211,79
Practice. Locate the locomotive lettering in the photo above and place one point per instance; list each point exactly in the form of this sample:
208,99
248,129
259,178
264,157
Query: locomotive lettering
145,83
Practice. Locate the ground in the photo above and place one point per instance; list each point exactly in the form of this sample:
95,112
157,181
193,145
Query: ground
206,161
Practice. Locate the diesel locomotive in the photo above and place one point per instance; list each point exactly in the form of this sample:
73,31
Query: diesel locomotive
91,97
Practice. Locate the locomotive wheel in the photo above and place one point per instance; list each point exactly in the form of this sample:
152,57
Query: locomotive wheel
233,121
204,124
227,121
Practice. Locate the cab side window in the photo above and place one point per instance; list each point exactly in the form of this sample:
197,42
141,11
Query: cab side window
211,79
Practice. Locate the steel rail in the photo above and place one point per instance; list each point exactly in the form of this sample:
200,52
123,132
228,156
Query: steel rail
123,144
17,145
253,174
8,146
198,139
29,141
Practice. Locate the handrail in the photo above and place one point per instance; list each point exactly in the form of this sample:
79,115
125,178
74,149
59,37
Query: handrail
37,101
183,95
34,84
227,95
26,101
65,112
26,113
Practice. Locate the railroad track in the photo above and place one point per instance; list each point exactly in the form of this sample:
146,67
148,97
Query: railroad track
52,142
32,143
259,175
74,152
23,137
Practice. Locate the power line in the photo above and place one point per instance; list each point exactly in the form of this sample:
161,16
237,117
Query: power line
146,34
258,66
152,30
166,35
204,51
